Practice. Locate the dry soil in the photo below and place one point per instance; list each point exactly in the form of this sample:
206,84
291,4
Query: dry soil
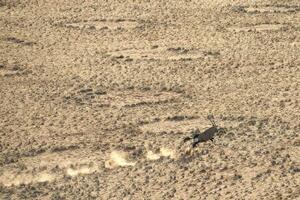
96,98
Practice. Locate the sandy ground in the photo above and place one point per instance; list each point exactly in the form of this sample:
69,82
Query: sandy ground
96,98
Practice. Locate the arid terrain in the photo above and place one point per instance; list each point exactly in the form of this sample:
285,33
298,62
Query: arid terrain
97,98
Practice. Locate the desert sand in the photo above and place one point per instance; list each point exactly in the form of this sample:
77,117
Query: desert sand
96,98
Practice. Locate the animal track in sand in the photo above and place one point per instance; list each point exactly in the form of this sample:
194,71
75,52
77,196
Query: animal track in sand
123,159
104,24
152,156
119,158
271,9
160,53
259,28
164,152
10,178
51,166
81,170
48,167
122,98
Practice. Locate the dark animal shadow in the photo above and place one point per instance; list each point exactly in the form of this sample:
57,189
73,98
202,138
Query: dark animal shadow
207,135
